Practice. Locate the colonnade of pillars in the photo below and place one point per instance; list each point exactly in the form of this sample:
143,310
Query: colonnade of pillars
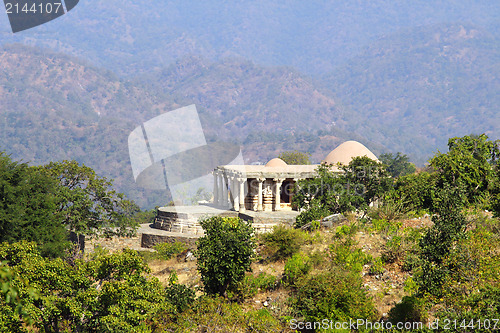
227,187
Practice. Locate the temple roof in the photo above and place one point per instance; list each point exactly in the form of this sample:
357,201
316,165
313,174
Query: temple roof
262,171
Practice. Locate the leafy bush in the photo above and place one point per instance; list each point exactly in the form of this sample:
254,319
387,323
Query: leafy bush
359,184
469,164
283,242
167,250
385,226
410,262
416,189
393,249
225,253
336,295
482,304
179,295
316,211
377,267
296,267
449,225
410,309
344,251
109,294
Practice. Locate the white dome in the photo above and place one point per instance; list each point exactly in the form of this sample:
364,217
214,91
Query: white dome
344,153
276,162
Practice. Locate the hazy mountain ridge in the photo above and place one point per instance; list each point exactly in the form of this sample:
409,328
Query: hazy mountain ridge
138,36
424,86
55,107
249,98
58,107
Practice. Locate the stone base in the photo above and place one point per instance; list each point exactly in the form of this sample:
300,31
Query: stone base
150,240
185,219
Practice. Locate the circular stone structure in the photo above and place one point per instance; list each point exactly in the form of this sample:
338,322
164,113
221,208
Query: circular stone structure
344,153
276,162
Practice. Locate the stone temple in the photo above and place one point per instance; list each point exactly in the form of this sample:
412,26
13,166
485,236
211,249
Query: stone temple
259,193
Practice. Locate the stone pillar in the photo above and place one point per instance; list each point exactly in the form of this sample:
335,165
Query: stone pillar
277,193
216,189
235,190
259,204
221,186
224,191
295,181
242,194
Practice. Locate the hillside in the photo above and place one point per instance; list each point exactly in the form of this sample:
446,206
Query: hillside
137,37
423,86
55,107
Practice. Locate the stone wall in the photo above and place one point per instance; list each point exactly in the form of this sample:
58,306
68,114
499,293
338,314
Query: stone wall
150,240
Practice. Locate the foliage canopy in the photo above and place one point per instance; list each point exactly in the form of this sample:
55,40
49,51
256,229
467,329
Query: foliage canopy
225,253
295,157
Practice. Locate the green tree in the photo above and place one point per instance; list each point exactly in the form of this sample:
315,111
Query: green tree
398,165
449,227
367,178
495,191
28,208
468,163
111,293
224,253
416,190
295,157
87,203
352,187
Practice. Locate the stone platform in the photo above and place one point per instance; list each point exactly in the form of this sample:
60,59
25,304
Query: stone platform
185,219
265,221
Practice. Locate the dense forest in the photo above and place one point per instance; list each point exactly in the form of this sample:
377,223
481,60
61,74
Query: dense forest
426,256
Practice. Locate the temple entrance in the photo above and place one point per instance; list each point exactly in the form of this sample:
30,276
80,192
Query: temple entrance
286,191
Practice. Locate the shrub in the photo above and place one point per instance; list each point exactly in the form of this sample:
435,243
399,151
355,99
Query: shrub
390,209
344,251
417,189
410,309
360,183
385,226
179,295
377,267
410,262
393,249
283,242
167,250
295,268
316,211
225,253
336,295
215,314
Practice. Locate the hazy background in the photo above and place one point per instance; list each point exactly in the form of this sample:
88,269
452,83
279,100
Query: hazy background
272,76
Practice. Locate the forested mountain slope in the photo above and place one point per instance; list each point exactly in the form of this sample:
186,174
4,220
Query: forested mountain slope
417,88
